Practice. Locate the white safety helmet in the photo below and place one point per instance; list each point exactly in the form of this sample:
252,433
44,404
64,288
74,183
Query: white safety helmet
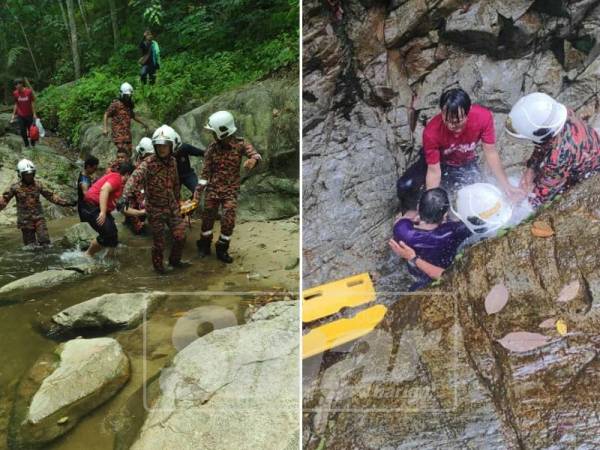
126,89
177,140
165,135
222,124
536,117
482,207
145,147
25,166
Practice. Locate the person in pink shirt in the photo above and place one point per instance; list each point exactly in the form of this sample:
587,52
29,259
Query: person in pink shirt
449,159
24,109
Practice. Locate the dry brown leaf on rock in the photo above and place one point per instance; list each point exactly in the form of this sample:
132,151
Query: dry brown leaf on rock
541,229
523,341
496,299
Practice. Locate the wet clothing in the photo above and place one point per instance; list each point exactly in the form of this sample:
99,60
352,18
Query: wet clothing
221,168
24,101
121,116
108,235
83,179
441,146
30,214
92,196
159,181
564,160
411,184
437,247
457,155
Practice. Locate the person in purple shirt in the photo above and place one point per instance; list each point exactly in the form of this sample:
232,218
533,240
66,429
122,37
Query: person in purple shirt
428,242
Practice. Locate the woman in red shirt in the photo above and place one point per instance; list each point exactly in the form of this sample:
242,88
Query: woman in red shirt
24,110
449,158
99,201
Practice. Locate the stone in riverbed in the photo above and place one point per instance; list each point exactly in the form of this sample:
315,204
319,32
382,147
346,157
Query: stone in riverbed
107,311
79,376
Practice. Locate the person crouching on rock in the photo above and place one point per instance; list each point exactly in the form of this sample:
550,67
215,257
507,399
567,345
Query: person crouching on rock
99,201
428,242
121,112
144,149
567,150
221,178
30,215
449,158
157,177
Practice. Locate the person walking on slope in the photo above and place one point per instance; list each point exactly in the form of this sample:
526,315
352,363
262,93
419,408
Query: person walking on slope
449,159
221,179
30,214
121,112
150,59
24,110
567,150
157,177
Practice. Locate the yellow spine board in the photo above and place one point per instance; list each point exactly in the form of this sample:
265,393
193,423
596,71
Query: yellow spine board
327,299
341,331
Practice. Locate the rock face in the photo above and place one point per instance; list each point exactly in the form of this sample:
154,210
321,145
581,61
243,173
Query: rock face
108,311
42,280
266,113
53,169
61,388
79,235
236,387
372,79
434,374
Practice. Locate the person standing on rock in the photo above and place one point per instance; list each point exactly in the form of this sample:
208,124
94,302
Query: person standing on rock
157,177
30,214
221,179
143,150
99,201
567,150
449,159
187,176
85,180
122,157
121,112
24,110
150,59
428,242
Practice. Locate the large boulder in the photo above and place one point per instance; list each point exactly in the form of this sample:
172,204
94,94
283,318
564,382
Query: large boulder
110,311
79,235
236,387
62,387
23,288
442,372
266,113
55,170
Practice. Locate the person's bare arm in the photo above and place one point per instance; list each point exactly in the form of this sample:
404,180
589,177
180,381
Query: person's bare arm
132,212
434,176
33,106
493,161
14,113
104,194
105,124
141,122
404,251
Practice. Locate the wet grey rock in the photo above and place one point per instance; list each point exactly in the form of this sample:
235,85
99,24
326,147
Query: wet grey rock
18,289
62,387
236,387
79,236
108,311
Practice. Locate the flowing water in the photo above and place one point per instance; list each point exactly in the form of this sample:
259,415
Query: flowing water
210,294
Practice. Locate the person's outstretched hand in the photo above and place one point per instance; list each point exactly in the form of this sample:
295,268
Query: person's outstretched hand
402,250
526,182
515,194
250,163
105,132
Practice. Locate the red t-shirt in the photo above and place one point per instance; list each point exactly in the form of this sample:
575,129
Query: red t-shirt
23,100
93,194
441,145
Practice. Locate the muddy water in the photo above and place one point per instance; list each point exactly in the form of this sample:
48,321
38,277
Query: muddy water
205,296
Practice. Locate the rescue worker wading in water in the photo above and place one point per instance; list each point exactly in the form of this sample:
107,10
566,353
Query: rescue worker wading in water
157,177
220,178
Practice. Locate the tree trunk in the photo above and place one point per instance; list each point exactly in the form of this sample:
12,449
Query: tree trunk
73,33
37,70
85,24
115,26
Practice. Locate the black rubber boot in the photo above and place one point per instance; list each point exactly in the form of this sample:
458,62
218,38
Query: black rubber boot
221,248
203,245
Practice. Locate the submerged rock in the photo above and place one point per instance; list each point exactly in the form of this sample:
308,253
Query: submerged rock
107,311
38,281
436,372
62,387
235,388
